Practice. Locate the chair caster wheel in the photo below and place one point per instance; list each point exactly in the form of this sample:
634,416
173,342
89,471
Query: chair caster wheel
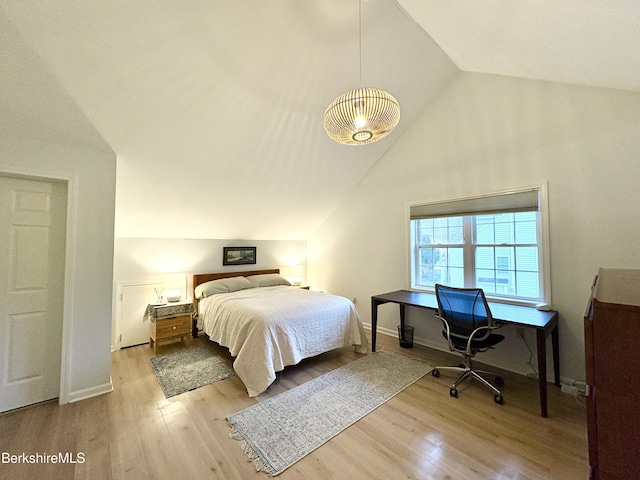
498,399
454,392
435,372
499,381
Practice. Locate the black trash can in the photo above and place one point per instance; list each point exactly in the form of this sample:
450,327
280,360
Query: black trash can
405,336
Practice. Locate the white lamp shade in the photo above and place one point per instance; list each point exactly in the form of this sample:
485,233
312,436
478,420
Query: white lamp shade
297,270
296,274
285,270
174,284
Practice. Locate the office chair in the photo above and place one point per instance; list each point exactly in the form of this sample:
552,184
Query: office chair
468,327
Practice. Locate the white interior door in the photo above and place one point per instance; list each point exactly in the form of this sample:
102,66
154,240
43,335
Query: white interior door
135,298
32,252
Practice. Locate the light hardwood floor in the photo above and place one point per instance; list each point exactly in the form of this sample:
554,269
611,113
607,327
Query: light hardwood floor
422,433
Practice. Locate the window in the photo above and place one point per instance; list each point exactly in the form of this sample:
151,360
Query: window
495,242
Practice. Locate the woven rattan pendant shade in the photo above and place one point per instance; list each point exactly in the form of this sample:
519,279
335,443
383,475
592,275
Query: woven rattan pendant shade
361,116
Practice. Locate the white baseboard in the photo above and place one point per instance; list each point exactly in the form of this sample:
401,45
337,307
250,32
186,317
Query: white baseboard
504,366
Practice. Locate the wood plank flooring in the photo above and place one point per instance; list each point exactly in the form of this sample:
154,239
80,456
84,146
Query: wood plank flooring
422,433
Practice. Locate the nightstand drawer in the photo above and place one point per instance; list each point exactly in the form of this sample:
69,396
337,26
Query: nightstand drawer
173,326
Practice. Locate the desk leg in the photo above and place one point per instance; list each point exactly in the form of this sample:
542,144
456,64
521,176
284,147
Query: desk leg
374,323
542,369
555,343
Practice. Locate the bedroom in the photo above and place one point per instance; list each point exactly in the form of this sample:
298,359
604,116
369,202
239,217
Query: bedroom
474,133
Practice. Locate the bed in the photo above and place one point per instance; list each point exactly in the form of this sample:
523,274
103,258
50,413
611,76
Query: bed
268,324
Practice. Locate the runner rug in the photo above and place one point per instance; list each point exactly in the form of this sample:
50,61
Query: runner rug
187,370
281,430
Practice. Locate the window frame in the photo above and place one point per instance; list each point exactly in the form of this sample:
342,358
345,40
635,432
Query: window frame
469,246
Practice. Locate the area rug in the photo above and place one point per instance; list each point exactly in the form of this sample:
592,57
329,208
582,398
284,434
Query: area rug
187,370
281,430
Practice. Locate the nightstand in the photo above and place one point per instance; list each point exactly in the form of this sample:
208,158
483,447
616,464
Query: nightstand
169,322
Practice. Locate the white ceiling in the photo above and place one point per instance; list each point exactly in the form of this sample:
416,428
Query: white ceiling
584,42
214,107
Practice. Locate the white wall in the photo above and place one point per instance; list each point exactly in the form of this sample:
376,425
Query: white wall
139,260
90,175
485,133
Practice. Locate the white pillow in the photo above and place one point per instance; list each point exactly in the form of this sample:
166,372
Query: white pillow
268,280
237,283
223,285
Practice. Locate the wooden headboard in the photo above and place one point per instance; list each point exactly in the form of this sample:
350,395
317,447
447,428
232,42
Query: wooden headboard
201,278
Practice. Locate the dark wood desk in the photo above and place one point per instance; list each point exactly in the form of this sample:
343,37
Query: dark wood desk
544,322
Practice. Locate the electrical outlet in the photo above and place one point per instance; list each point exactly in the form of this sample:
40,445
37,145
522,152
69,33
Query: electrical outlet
573,390
570,389
520,332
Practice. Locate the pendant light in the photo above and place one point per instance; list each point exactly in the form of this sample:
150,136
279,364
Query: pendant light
363,115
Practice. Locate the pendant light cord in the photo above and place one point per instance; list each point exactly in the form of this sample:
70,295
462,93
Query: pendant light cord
360,37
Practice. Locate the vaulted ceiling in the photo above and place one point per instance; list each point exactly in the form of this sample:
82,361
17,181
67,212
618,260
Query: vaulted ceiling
214,107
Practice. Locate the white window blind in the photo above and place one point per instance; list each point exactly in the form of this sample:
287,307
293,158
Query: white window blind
518,201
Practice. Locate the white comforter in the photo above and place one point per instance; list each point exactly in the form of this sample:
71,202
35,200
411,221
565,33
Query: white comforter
268,328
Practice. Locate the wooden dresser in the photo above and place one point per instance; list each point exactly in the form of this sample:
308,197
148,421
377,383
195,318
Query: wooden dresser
612,355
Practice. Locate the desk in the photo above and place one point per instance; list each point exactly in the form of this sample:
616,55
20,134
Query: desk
544,322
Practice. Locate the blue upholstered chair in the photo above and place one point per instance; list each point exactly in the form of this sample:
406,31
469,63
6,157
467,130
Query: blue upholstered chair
468,327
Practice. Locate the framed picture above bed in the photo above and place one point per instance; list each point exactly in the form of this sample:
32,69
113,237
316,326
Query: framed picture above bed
238,255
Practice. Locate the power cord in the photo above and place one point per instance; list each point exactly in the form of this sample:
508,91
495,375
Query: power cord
535,372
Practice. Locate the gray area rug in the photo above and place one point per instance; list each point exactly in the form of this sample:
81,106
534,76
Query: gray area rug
279,431
187,370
